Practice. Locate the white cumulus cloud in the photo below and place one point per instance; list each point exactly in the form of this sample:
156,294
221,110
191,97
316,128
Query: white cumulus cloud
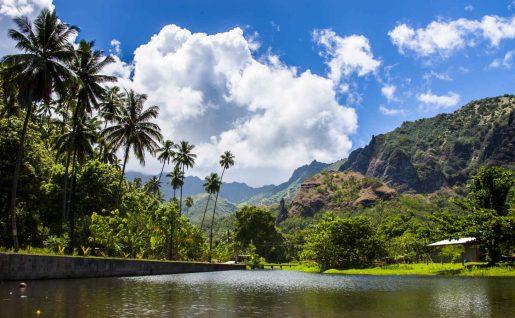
505,62
446,37
434,102
388,91
214,92
346,55
10,9
391,111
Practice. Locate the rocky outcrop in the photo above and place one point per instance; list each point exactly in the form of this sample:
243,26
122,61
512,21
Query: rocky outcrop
429,154
332,190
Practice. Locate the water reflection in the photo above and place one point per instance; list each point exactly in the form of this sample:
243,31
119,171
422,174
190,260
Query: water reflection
262,294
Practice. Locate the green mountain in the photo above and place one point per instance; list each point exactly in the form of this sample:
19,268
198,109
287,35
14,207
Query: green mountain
196,212
333,190
240,193
429,154
288,189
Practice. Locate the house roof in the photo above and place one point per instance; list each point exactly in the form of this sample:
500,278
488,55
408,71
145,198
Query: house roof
462,240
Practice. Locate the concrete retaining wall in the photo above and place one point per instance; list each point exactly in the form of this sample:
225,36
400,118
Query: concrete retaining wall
25,267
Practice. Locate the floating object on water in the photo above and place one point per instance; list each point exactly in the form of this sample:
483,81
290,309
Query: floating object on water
23,285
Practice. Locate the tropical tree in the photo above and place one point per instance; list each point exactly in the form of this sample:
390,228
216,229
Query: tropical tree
226,161
212,185
342,243
38,71
176,179
489,220
134,130
188,202
109,108
152,185
86,64
184,158
80,142
255,226
165,154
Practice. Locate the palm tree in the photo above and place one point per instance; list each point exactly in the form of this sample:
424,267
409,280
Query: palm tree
152,185
226,161
176,179
166,153
188,202
109,108
185,159
134,130
39,70
80,143
212,185
86,65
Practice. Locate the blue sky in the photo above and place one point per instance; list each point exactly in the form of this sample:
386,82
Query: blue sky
386,62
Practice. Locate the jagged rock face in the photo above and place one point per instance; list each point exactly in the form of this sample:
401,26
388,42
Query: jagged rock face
334,190
428,154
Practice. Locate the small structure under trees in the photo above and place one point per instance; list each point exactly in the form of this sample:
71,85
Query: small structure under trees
470,248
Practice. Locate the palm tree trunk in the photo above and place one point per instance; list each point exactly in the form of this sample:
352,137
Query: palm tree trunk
102,147
203,217
71,201
65,186
16,177
117,201
169,252
160,175
213,218
180,200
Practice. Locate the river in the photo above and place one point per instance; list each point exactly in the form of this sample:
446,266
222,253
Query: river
262,294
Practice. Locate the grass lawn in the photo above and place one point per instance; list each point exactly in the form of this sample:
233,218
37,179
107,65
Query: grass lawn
475,269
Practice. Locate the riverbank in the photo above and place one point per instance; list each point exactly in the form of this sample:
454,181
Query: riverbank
418,269
30,266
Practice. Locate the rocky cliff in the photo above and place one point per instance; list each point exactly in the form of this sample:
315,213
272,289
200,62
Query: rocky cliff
428,154
333,190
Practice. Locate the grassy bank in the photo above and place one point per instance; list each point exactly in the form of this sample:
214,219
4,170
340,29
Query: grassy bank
419,269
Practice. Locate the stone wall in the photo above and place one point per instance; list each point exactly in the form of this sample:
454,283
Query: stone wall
25,267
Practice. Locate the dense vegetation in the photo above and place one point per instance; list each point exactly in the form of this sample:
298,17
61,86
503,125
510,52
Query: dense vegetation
62,124
63,188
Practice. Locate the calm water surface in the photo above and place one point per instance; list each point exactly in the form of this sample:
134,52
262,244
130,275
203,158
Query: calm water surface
262,294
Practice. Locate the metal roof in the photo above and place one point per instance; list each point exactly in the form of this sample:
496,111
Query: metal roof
462,240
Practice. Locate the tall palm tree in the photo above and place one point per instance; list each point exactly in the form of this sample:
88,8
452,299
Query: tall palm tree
185,159
86,64
152,185
188,202
176,179
109,108
134,130
40,70
80,142
212,185
165,154
226,161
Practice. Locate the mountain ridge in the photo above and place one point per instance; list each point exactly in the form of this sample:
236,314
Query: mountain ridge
442,151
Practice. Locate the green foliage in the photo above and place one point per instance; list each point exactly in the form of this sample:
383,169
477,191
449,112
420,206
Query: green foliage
56,243
342,243
489,220
145,233
255,226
